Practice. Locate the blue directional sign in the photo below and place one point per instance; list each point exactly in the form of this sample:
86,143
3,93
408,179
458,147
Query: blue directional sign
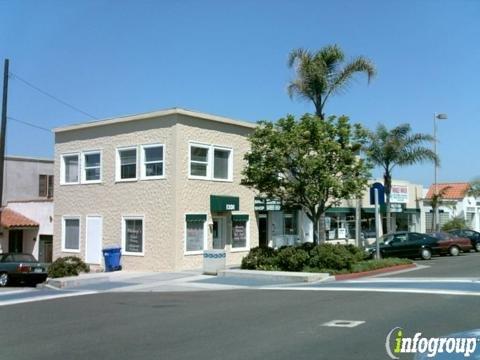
381,193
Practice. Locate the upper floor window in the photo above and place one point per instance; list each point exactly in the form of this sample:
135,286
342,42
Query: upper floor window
152,161
45,186
70,169
92,167
211,162
126,164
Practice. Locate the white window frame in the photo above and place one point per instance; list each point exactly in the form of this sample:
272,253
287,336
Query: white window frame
62,169
247,240
118,164
205,235
72,217
230,163
124,240
84,167
210,161
143,175
203,146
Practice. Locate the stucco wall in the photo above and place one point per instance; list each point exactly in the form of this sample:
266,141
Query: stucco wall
21,179
153,199
163,203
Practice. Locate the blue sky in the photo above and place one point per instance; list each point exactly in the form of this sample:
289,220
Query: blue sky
228,58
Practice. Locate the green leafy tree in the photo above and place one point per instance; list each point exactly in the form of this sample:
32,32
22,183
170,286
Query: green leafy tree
396,147
474,188
319,75
309,164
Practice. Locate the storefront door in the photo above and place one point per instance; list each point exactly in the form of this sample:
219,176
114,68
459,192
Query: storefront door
15,241
219,232
263,230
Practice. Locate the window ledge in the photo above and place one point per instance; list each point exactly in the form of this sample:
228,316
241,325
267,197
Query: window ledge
124,253
126,180
92,182
71,251
187,253
70,183
235,250
146,178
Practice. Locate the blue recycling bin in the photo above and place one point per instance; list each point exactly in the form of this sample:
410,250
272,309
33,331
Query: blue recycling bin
112,255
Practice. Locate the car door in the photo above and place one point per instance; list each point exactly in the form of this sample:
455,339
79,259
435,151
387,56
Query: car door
397,245
415,243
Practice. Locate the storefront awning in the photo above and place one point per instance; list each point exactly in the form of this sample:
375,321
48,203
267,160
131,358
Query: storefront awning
10,219
224,203
236,217
342,210
196,217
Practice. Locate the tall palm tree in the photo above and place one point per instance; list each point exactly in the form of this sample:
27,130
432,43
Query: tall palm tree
397,147
436,201
474,188
321,74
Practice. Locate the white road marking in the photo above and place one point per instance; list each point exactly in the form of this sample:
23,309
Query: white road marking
412,280
19,291
343,323
46,297
412,291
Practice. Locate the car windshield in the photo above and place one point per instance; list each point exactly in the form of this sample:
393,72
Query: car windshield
24,258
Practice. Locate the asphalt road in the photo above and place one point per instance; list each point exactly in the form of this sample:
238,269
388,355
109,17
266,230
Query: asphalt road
464,265
239,324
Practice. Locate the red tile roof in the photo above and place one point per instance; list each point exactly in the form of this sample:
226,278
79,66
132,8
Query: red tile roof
453,190
12,219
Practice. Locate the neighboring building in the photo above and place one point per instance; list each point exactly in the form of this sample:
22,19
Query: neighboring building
164,185
26,218
279,226
455,203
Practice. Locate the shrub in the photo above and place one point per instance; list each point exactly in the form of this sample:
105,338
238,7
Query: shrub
369,265
67,266
292,259
358,253
259,258
455,223
328,256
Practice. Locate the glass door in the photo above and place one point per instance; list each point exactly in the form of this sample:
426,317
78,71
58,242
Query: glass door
219,233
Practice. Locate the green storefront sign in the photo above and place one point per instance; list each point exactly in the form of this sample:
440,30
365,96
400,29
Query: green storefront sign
219,203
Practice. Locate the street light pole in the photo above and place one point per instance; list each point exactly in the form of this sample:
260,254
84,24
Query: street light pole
435,118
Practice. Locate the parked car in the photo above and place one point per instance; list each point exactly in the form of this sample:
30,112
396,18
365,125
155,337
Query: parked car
406,244
23,268
474,236
451,244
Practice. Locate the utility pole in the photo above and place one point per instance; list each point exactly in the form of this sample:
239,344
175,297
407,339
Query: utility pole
3,128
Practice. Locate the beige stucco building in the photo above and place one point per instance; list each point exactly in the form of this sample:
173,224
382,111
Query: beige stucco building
164,185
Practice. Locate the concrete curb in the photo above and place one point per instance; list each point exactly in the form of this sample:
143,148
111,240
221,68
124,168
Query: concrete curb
373,272
74,281
275,276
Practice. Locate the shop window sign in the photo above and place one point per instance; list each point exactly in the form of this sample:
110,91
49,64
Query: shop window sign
133,236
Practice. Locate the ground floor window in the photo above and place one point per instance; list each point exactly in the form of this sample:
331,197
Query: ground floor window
133,233
239,231
71,234
195,232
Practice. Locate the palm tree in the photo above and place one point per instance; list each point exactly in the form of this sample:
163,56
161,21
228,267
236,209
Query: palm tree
436,201
321,74
474,188
397,147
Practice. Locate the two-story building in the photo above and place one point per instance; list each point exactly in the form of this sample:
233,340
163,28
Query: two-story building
164,185
26,214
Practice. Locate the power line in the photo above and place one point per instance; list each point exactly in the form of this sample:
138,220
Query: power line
30,124
14,76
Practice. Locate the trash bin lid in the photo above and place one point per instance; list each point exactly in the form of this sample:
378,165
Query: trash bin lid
112,247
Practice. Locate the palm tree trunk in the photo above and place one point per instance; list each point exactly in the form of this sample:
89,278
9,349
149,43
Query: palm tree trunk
321,228
388,189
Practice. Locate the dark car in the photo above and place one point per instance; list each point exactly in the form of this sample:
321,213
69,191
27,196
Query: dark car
23,268
452,244
474,237
406,244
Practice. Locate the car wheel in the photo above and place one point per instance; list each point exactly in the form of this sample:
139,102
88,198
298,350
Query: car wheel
426,254
3,279
477,247
454,251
